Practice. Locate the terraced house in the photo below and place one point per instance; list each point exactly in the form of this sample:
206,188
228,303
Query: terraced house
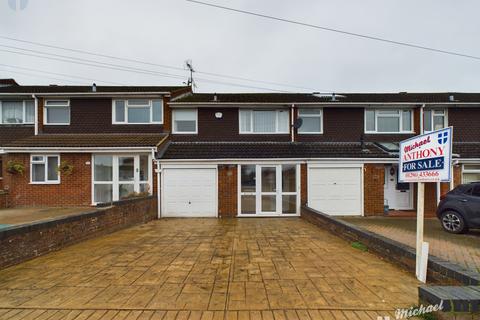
224,155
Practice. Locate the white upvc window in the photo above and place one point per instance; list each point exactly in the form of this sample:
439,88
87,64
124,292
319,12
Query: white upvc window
312,121
17,112
44,169
185,121
388,121
118,177
137,111
56,112
264,121
471,173
434,119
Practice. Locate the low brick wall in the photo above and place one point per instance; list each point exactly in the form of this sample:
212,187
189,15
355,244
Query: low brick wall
21,243
439,270
3,199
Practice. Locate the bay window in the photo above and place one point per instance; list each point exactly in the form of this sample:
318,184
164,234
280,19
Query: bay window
137,111
56,112
434,119
311,121
117,177
264,121
388,121
17,112
185,121
44,169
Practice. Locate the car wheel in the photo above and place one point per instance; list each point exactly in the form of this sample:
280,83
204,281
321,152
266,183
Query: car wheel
453,222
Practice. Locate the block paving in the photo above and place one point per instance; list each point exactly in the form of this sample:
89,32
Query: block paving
207,269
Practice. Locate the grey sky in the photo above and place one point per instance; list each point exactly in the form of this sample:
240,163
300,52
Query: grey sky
170,31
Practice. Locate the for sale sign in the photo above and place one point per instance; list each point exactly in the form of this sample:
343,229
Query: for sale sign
426,158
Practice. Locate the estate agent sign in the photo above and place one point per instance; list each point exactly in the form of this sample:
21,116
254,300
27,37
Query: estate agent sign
426,158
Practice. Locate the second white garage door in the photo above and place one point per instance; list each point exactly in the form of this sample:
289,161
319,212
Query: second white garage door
189,192
335,191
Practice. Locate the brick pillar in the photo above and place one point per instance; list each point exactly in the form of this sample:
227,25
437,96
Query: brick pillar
373,184
303,184
227,191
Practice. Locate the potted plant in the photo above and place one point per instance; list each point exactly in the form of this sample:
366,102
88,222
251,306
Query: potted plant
15,167
66,168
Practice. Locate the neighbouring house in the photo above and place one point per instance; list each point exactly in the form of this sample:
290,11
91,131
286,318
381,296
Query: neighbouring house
224,155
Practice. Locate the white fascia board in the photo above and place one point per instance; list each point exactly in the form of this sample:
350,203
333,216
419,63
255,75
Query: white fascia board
291,160
83,94
468,160
81,150
328,104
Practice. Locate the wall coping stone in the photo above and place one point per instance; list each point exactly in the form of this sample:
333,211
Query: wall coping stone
445,268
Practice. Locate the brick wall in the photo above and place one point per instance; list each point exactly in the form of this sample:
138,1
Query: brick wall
303,184
73,190
373,181
26,242
3,199
227,191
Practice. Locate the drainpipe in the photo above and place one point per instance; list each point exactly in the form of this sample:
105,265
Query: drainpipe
35,114
159,207
292,129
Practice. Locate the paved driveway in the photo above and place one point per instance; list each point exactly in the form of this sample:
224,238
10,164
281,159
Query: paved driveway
207,269
462,249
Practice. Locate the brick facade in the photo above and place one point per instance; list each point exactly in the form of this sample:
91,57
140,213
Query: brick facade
303,184
26,242
3,199
373,189
73,190
227,191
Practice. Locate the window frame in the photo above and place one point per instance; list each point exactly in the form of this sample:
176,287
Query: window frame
45,163
174,131
432,117
467,171
399,116
320,115
277,117
126,106
24,112
45,108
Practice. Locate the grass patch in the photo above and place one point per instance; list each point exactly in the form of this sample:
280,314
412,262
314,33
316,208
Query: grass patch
360,246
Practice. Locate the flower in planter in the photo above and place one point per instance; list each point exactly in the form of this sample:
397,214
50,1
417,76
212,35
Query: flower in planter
65,168
15,167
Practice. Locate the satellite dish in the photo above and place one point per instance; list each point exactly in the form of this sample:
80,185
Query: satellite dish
298,123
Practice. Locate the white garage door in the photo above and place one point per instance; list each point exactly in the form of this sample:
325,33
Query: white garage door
189,192
335,191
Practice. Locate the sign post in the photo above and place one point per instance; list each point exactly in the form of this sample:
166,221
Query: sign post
425,158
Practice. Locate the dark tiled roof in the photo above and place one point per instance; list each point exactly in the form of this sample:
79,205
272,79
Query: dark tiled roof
467,149
287,98
86,89
270,150
8,82
9,133
88,140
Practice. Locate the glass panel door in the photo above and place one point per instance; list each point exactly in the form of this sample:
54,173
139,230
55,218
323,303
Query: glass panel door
126,177
268,195
248,189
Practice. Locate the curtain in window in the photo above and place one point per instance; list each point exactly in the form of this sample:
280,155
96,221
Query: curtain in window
264,121
12,111
245,121
283,121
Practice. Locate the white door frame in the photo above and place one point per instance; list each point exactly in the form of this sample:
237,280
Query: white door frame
338,166
180,166
410,191
279,192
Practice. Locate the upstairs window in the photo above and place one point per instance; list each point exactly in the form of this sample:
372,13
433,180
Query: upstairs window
471,173
264,121
17,112
434,119
185,121
388,121
44,169
312,121
138,111
56,112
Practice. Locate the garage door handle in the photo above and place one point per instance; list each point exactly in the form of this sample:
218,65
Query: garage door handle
189,202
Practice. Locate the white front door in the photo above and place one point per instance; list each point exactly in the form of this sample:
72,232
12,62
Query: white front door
189,192
268,190
397,196
335,190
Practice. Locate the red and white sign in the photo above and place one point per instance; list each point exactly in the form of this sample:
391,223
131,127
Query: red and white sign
426,158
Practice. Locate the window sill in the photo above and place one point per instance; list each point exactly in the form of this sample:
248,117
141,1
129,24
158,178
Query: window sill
264,133
133,124
390,133
47,183
56,124
192,133
310,133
